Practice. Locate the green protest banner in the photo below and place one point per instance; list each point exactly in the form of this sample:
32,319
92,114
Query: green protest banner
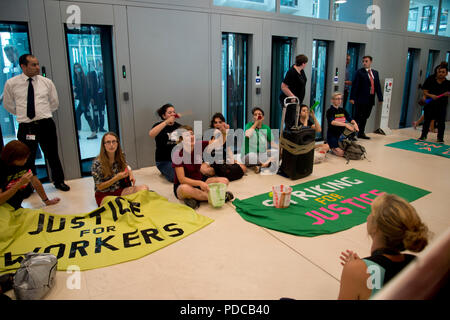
437,149
326,205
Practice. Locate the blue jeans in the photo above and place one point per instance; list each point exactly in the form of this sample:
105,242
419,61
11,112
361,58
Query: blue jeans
165,167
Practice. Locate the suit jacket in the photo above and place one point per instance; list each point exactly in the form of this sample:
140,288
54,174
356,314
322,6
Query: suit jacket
360,92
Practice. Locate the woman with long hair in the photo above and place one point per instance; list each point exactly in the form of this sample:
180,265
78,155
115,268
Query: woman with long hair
394,226
112,176
81,91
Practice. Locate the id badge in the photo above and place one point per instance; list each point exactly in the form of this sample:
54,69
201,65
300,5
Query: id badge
31,137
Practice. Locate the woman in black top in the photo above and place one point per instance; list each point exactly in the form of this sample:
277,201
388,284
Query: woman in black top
394,226
294,84
164,133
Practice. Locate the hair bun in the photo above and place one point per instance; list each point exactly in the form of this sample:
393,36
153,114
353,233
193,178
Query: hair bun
416,240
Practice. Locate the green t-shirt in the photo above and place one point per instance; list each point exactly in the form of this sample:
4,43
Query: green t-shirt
257,143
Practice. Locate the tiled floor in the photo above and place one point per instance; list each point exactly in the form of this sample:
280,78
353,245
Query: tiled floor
234,259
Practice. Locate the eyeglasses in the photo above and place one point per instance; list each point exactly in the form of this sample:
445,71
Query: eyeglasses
111,142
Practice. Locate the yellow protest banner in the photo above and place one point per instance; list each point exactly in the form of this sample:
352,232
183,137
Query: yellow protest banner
123,229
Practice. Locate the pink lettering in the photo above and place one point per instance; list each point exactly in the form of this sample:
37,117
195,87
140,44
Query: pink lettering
319,220
364,196
356,198
376,192
350,201
334,215
345,210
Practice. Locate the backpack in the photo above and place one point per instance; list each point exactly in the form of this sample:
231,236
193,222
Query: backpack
35,276
230,171
352,150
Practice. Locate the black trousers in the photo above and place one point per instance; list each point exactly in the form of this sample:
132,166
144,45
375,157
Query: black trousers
44,132
362,113
437,113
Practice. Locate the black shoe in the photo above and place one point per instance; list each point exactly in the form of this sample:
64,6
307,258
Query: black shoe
6,282
102,130
92,136
440,140
62,186
228,196
422,138
363,136
192,203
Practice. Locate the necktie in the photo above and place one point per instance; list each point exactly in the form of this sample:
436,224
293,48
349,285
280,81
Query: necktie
372,83
30,100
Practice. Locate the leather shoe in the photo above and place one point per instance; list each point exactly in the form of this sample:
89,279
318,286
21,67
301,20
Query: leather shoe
363,136
62,186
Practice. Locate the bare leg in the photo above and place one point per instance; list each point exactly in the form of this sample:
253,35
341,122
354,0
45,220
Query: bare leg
186,191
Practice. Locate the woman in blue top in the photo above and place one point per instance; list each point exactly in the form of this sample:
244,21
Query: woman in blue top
394,226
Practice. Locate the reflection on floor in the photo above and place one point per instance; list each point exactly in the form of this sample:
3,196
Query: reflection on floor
234,259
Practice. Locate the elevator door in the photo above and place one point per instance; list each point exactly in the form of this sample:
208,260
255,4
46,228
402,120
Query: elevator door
89,52
355,51
14,42
410,91
234,78
282,48
319,80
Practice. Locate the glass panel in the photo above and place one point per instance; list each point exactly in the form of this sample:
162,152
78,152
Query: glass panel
423,16
447,57
91,63
407,88
355,51
319,80
282,49
443,23
432,56
306,8
351,10
14,42
234,85
262,5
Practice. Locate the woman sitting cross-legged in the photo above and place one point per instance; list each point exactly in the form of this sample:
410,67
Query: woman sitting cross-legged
223,162
15,176
112,176
190,185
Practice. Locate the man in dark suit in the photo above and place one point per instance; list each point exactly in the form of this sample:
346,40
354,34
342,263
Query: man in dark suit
365,85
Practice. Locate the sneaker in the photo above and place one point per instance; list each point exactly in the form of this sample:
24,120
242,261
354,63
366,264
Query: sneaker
422,138
192,203
92,136
257,169
363,136
228,196
440,140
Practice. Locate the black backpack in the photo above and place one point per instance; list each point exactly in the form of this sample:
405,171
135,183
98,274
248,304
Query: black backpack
352,150
230,171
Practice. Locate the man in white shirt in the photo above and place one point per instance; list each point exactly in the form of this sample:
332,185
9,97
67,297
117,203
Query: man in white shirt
33,99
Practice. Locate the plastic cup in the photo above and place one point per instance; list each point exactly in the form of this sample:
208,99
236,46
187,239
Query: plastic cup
216,194
281,196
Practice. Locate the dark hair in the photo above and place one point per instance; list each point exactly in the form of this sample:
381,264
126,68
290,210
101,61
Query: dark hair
300,59
303,105
216,115
442,65
14,150
162,111
368,57
23,60
257,109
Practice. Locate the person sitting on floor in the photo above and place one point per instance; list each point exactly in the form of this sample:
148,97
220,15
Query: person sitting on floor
338,121
15,176
112,176
190,185
254,151
163,132
308,119
224,165
394,226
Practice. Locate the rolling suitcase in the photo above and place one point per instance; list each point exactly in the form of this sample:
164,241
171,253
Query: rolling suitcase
296,146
